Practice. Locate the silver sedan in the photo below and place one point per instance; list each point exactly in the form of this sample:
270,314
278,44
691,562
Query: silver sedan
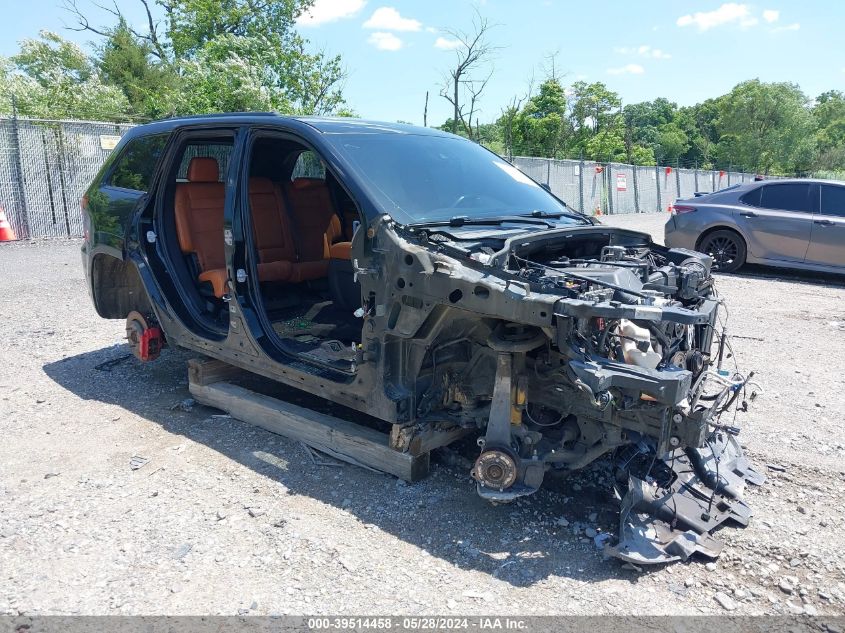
795,223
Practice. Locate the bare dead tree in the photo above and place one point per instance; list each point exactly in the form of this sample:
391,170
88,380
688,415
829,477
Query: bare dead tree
509,114
550,68
84,24
461,85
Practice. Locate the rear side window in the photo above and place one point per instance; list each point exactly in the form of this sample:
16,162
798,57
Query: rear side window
136,163
308,165
786,197
752,197
216,150
833,200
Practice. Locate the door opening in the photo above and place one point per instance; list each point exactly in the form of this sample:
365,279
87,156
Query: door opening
191,224
302,224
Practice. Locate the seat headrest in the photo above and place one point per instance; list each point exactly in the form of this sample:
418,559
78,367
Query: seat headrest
259,184
203,169
307,183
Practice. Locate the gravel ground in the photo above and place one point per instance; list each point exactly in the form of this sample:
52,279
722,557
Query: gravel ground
224,518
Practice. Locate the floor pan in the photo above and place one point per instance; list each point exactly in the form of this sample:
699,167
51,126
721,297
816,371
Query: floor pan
319,331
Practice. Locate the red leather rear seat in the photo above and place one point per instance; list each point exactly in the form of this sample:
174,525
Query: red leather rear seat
199,205
317,228
272,230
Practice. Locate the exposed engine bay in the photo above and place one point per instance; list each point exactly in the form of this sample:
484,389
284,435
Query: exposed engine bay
561,346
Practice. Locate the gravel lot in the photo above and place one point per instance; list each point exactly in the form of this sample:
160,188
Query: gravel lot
228,519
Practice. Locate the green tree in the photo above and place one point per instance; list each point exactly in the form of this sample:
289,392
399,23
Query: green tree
229,74
699,124
766,127
541,128
213,55
653,126
606,145
672,142
53,78
644,119
129,62
829,118
592,109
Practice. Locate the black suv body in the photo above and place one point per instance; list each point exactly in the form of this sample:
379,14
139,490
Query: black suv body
417,277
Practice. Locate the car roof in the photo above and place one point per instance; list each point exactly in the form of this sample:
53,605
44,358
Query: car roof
768,181
323,125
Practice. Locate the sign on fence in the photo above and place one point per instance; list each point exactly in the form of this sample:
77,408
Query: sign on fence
621,182
108,141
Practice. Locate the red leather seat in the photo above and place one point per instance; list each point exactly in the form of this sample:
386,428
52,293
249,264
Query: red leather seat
317,226
199,205
272,230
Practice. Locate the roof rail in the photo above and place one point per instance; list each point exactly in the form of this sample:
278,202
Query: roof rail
218,114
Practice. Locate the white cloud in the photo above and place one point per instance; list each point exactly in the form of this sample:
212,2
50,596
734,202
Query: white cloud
385,41
643,51
323,11
388,19
789,27
771,15
446,44
728,13
627,69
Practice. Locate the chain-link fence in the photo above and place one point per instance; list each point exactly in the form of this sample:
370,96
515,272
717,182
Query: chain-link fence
614,188
45,167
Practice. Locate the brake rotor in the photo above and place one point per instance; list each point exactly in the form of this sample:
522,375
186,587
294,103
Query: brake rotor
495,469
144,339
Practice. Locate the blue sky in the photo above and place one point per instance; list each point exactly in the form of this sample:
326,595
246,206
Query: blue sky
395,50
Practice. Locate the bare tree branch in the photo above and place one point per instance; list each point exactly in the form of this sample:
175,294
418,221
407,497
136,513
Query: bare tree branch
473,52
153,34
84,24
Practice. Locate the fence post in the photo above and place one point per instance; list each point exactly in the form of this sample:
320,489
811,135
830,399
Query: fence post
678,177
581,183
657,182
16,148
610,189
60,142
549,172
635,182
695,178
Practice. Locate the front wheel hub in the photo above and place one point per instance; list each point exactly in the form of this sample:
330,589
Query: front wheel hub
495,469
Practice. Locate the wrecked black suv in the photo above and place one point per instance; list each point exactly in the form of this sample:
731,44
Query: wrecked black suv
417,277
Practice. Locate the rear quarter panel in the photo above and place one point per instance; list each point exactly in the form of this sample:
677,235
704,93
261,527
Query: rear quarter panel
708,217
107,216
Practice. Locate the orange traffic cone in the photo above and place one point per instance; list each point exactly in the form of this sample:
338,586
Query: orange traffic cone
598,210
670,208
6,232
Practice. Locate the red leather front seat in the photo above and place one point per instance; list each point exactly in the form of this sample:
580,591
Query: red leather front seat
199,209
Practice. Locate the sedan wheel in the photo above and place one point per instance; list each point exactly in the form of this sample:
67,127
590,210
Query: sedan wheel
726,248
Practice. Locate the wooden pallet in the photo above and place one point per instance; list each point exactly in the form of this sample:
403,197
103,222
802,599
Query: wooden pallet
354,443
